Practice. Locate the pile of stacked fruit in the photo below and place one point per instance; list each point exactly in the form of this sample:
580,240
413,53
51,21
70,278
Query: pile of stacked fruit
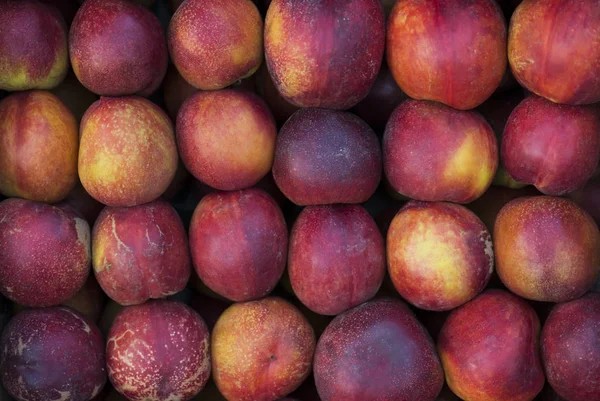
309,200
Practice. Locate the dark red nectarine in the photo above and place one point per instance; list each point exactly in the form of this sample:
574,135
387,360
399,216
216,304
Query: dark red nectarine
345,273
489,348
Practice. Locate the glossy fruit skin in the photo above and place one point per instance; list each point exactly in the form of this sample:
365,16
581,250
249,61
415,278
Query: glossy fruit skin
432,152
555,147
440,255
158,350
52,352
489,348
453,52
33,46
345,273
553,49
377,351
118,48
324,53
547,248
326,157
45,257
215,43
571,350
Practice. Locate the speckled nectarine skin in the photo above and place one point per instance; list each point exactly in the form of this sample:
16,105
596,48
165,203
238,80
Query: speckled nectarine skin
45,252
440,255
547,248
214,43
118,48
377,351
158,351
571,348
489,348
324,53
52,354
261,350
140,252
39,145
127,153
325,157
33,46
226,138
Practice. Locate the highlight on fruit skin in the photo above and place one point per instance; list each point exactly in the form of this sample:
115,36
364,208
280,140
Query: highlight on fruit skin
553,49
440,255
547,248
33,46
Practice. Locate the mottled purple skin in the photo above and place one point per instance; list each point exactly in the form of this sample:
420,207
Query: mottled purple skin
385,95
324,53
325,156
345,273
489,348
239,243
33,46
555,147
52,354
377,351
571,348
118,48
140,252
45,257
158,351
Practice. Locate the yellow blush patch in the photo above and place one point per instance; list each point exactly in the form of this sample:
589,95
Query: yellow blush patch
469,164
